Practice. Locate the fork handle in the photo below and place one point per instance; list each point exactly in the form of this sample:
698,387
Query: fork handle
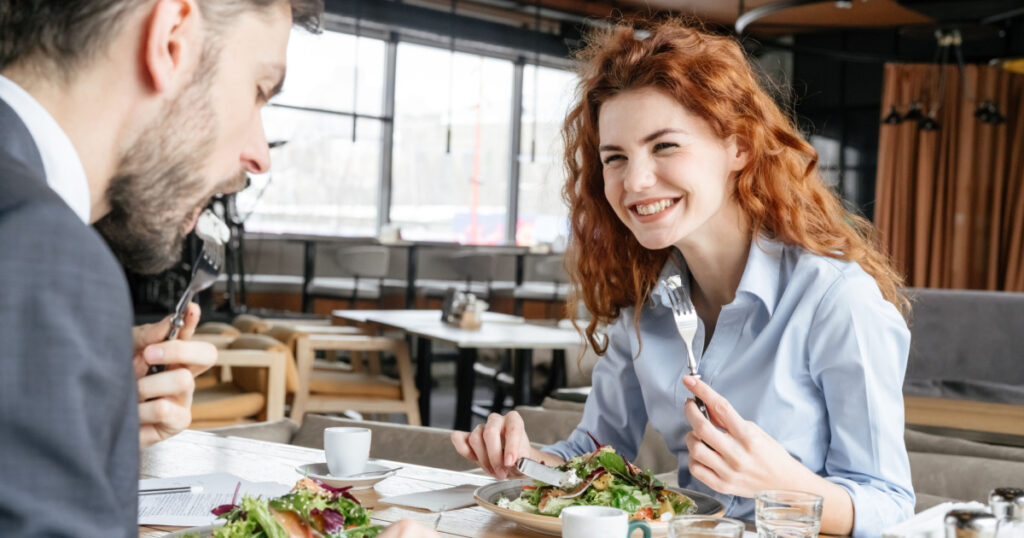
177,322
703,408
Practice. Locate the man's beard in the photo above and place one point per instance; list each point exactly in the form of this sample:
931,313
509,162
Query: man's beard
158,175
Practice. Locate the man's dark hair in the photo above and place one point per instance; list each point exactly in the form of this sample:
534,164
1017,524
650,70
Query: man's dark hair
67,33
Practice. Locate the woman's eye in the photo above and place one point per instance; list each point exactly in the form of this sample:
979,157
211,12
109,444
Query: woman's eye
664,145
611,158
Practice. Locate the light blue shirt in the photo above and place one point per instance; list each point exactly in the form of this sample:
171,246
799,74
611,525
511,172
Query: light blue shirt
809,350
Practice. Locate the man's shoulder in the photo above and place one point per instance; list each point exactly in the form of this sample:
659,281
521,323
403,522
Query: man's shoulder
41,233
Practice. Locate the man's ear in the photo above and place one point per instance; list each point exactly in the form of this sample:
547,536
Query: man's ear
171,42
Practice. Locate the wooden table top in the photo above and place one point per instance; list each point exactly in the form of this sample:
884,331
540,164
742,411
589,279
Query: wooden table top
193,452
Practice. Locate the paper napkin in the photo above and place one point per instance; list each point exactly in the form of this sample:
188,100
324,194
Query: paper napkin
437,500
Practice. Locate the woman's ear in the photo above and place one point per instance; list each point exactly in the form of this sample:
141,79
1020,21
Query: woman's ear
171,37
738,152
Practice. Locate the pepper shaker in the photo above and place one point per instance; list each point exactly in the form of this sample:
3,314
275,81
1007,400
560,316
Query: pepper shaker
1007,504
971,524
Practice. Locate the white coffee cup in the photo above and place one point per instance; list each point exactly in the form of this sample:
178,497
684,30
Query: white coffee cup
599,522
346,450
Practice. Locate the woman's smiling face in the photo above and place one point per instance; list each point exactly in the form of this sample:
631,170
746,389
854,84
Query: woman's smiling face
666,174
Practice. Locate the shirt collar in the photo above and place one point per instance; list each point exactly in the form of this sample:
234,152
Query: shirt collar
760,278
64,171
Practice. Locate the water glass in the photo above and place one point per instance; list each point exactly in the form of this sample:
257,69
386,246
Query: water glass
704,527
787,514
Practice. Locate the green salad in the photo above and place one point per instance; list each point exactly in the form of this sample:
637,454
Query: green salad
312,508
606,480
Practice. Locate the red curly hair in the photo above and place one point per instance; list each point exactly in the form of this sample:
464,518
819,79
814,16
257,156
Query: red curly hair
779,190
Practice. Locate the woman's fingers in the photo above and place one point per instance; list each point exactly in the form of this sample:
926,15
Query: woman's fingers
460,440
476,442
720,410
515,439
492,434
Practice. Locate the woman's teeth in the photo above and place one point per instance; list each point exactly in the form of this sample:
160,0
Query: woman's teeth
656,207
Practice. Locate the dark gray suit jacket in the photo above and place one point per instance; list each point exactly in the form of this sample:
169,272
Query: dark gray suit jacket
69,456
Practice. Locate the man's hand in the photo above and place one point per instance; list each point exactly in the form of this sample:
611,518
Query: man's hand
165,399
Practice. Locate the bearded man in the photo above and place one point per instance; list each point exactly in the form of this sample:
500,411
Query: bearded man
127,115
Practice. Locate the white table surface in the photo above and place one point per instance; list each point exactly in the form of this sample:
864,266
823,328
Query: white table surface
499,331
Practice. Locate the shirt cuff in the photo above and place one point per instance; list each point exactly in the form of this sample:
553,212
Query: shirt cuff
875,510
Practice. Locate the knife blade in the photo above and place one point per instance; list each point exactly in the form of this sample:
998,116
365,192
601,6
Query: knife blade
543,473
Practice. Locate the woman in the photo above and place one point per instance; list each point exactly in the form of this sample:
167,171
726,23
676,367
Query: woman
679,163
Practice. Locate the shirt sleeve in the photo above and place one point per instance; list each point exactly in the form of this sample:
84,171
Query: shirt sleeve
858,348
614,413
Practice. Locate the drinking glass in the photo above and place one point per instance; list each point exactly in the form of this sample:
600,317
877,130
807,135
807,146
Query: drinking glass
704,527
787,514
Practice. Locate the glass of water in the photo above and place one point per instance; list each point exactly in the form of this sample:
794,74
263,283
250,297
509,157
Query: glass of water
704,527
787,514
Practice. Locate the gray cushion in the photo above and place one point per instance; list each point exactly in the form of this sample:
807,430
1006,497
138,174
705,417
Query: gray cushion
939,444
966,334
967,478
399,442
278,431
966,389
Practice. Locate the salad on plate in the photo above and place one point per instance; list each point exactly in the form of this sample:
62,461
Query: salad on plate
605,479
311,509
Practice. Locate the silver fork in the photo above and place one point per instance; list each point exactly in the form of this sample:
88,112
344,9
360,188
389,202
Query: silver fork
205,271
686,323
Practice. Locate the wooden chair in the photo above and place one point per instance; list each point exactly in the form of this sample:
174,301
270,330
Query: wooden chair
338,390
257,389
220,335
247,323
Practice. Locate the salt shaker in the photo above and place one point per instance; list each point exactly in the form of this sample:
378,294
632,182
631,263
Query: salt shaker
971,524
1007,504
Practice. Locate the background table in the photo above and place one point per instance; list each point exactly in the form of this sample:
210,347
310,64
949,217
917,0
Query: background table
499,331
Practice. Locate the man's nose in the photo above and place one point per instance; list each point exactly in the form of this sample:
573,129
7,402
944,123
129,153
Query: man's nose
255,153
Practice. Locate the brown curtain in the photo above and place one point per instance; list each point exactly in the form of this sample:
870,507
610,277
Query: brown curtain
950,202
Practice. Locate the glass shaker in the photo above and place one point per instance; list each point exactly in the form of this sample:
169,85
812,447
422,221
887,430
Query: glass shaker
971,524
1007,504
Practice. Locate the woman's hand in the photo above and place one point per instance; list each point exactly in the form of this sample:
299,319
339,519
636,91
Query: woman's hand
744,459
165,398
498,444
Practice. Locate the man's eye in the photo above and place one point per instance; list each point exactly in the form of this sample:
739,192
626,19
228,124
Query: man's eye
664,145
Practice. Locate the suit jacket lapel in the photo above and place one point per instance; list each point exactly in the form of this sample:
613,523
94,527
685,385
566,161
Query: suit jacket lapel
16,141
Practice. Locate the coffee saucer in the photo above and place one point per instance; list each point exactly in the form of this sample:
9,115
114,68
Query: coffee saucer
371,474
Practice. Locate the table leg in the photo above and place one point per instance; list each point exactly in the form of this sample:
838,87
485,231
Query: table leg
410,278
464,381
308,263
522,370
556,378
424,357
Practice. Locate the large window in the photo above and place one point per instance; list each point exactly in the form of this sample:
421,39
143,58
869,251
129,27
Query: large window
547,95
324,179
451,145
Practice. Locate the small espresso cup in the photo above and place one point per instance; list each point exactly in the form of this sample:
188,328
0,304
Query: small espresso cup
599,522
346,450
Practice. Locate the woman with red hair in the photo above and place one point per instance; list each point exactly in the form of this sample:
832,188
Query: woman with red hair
679,163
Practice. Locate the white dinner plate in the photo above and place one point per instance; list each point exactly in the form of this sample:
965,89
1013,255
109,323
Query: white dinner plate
378,471
487,496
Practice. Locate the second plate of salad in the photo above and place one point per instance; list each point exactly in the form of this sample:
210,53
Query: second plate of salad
606,480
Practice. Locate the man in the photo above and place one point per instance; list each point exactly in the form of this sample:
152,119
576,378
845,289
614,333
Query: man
127,115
